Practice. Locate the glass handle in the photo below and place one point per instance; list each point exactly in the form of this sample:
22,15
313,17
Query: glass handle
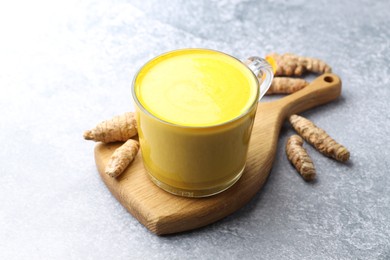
263,71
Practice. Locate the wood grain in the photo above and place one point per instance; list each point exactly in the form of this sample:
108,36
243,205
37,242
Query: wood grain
164,213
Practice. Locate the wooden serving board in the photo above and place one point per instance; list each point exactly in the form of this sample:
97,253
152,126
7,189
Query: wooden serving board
164,213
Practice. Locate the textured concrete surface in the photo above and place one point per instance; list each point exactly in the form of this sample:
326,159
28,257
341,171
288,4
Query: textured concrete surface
64,66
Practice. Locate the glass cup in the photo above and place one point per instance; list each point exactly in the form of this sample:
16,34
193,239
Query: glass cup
198,161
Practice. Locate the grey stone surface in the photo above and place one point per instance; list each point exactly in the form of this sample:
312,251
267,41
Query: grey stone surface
64,66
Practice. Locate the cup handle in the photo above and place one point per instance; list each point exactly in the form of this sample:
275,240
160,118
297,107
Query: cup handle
263,71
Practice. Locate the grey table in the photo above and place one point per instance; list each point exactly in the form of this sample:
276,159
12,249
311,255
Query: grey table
64,66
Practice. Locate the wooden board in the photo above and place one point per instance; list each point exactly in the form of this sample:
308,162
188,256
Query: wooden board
164,213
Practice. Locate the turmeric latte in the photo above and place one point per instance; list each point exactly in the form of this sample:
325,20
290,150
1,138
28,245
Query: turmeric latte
195,111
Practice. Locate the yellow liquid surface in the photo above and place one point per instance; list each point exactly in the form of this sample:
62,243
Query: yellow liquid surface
196,87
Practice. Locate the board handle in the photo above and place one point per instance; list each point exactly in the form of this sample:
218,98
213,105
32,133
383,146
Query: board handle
322,90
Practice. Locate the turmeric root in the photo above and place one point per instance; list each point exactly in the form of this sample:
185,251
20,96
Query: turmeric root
285,85
298,156
122,157
317,66
118,129
293,65
319,138
288,64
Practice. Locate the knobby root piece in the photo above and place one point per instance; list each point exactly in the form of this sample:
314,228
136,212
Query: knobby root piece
319,138
298,156
317,66
293,65
288,64
285,85
122,157
118,129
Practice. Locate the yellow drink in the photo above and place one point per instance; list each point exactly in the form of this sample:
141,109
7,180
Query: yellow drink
195,111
